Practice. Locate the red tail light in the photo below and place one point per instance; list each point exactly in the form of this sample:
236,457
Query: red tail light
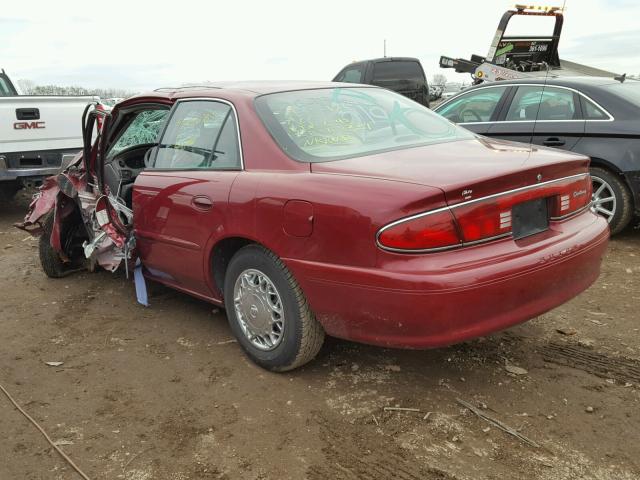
575,196
431,231
490,218
483,219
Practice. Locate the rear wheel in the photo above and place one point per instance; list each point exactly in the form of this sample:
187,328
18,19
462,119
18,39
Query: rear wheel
268,312
611,199
8,190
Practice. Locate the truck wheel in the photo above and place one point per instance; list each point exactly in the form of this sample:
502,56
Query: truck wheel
267,311
611,199
51,262
8,190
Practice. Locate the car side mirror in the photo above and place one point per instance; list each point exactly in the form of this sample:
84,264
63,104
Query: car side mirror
149,155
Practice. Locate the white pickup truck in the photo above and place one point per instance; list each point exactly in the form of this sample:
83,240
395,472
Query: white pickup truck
38,134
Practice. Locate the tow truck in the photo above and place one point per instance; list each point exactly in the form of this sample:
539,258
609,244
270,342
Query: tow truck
517,57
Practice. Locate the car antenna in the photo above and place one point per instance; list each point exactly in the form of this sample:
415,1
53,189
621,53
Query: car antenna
384,48
544,87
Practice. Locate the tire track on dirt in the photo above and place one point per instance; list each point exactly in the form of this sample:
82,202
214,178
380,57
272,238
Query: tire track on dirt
352,452
605,366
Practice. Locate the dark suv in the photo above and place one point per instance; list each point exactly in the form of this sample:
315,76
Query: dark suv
594,116
400,74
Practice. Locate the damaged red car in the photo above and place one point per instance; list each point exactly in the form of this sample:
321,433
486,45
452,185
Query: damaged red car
307,209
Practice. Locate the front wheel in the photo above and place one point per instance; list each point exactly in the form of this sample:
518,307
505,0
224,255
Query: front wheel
611,199
267,311
50,260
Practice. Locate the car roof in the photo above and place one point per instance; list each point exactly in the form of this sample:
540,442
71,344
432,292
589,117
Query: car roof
393,59
577,81
251,88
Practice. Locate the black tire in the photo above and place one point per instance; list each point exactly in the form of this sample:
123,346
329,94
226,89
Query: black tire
624,203
302,336
8,190
50,260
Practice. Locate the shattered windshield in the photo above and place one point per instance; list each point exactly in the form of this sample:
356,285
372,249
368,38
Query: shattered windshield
143,129
335,123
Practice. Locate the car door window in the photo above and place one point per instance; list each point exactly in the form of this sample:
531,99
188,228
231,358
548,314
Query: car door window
352,74
542,103
5,91
200,135
476,106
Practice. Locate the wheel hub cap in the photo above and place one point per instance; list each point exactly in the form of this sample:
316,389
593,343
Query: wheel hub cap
258,307
603,200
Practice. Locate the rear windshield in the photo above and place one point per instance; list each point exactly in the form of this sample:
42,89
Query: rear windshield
629,90
336,123
394,70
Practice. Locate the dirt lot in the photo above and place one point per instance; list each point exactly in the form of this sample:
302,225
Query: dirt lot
164,393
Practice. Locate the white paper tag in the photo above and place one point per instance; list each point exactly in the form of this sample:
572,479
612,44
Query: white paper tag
103,217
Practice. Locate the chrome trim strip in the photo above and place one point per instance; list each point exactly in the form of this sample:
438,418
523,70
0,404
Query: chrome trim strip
484,240
214,99
423,250
462,204
564,217
521,189
610,119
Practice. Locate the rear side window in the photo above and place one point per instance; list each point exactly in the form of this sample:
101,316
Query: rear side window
353,74
200,135
475,106
592,112
542,103
392,70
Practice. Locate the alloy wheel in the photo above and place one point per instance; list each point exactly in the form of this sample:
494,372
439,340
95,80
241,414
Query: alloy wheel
603,200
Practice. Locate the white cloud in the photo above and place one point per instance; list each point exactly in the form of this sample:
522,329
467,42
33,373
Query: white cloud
147,44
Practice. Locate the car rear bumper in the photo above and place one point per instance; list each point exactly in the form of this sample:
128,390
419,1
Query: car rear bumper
39,164
422,301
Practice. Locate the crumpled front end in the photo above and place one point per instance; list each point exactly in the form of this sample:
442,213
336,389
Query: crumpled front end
69,202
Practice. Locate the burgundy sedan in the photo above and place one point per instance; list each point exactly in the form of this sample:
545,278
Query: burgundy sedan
307,209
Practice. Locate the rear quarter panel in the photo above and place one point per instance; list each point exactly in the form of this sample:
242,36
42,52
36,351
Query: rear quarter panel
347,212
616,146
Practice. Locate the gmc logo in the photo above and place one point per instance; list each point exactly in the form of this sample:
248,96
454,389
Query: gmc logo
27,125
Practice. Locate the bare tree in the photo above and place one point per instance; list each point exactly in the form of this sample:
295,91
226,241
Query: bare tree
29,87
26,86
438,79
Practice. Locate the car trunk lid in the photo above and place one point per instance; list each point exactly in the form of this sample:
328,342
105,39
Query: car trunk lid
464,170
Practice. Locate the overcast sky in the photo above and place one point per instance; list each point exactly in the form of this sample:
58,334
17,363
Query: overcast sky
141,45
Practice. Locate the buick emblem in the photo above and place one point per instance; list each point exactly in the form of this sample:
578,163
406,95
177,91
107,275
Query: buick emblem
539,177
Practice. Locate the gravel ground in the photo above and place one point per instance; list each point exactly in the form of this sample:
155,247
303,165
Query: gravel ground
165,393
